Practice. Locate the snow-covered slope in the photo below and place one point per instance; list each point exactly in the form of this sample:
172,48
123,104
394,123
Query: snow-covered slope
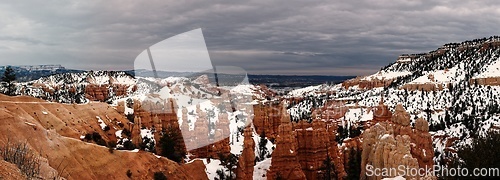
72,87
460,109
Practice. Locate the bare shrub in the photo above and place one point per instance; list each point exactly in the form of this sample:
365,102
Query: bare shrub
22,156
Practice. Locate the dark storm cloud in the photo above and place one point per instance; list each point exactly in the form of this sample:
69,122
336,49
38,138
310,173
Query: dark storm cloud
279,37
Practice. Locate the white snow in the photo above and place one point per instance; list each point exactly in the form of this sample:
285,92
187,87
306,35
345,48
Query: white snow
128,110
134,151
492,70
118,134
147,133
269,145
101,122
358,114
260,169
386,75
212,167
441,76
244,89
30,124
304,91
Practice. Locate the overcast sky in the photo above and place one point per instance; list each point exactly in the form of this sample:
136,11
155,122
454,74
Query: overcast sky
280,37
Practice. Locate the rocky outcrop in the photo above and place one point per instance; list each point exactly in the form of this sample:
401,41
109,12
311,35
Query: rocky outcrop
53,130
246,161
367,84
200,141
401,121
285,164
310,144
158,117
313,143
394,144
422,144
104,92
267,118
381,113
425,86
9,171
382,150
492,81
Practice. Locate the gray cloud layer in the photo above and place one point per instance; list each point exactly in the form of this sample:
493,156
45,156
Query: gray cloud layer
279,37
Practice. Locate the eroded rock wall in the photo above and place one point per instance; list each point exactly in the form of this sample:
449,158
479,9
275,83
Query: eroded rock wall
246,161
392,144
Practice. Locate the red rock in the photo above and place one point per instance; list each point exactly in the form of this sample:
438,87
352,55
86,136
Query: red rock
285,163
247,159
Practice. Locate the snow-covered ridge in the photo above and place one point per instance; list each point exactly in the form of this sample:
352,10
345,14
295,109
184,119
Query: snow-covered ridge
381,75
459,110
72,87
85,78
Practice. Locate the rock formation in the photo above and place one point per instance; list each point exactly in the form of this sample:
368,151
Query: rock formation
103,92
382,150
425,86
156,116
310,144
367,84
53,130
392,144
422,141
313,143
247,159
285,164
492,81
381,112
268,117
204,143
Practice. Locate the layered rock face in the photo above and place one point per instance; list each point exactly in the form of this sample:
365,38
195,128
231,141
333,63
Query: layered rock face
102,93
382,150
367,84
309,144
381,112
53,131
268,117
155,116
394,144
313,143
425,87
423,150
246,161
492,81
316,141
207,145
285,164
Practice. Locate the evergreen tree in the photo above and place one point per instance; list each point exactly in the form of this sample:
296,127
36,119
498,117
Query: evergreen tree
221,175
482,153
170,146
447,118
9,76
262,147
354,164
228,161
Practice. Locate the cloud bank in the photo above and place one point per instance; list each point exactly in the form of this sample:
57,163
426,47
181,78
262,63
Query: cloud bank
278,37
